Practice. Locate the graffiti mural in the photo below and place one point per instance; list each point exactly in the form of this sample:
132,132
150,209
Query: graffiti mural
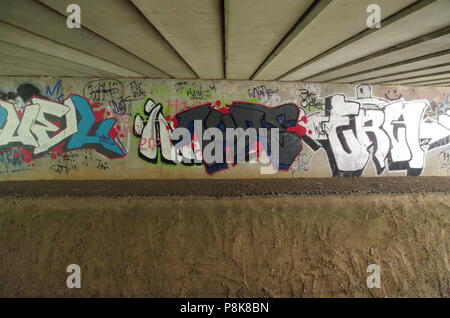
22,94
104,90
394,134
55,91
12,160
43,125
262,92
201,93
71,127
156,131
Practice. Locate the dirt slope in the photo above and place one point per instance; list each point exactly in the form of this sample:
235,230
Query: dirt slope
272,246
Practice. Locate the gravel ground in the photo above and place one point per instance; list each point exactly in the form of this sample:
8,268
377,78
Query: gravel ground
225,188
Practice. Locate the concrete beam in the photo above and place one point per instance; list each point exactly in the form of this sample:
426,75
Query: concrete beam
255,29
28,40
441,84
420,73
423,45
327,29
437,77
193,28
121,23
308,17
402,28
393,68
9,70
38,68
41,20
28,54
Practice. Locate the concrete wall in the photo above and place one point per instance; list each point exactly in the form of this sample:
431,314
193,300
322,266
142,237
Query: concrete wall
63,128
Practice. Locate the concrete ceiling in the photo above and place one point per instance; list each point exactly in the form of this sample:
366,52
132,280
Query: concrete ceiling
286,40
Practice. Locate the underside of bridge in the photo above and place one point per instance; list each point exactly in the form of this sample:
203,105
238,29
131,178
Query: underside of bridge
289,40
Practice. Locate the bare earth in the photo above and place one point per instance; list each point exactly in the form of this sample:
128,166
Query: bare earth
256,246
